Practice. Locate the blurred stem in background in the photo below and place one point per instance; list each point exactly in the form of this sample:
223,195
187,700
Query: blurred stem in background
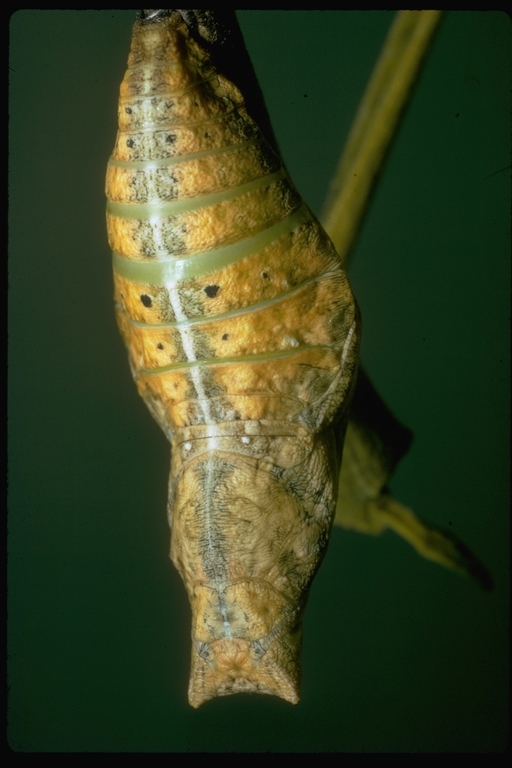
375,440
375,125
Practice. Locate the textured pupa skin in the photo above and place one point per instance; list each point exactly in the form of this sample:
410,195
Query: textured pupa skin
242,335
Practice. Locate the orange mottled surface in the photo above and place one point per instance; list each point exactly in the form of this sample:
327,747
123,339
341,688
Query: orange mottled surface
242,334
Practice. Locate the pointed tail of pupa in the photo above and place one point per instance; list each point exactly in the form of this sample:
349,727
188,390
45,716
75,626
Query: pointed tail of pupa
245,638
232,665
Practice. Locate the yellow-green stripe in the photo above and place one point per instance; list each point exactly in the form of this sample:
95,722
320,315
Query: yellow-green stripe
174,269
262,357
145,211
178,159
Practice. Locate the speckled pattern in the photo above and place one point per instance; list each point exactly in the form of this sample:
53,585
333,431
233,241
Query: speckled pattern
242,334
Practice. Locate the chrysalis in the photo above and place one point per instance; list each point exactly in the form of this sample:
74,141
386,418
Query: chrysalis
242,335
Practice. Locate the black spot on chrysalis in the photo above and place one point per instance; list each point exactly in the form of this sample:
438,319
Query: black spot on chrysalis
211,291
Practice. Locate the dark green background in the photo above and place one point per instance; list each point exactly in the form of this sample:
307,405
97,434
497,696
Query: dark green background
399,654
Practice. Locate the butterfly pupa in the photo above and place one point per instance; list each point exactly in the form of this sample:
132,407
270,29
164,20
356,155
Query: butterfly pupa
242,334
